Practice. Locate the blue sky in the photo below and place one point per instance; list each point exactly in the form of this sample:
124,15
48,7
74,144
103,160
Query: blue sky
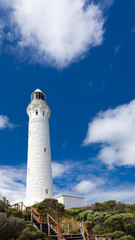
82,56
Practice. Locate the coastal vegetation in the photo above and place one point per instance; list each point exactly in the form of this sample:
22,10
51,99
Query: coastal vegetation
110,217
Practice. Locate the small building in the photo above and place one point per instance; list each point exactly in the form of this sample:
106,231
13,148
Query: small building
70,201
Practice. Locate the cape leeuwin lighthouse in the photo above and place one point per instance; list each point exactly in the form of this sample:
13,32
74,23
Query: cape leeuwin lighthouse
39,172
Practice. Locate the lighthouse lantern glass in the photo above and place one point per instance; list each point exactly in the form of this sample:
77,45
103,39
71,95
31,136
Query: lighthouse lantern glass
38,95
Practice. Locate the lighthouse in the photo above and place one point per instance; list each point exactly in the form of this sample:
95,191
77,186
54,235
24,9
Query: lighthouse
39,173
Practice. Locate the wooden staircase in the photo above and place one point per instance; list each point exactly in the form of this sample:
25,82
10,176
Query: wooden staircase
54,229
48,231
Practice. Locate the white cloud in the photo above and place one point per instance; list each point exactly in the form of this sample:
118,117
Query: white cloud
99,190
114,130
58,169
12,183
13,180
5,122
100,195
56,31
85,186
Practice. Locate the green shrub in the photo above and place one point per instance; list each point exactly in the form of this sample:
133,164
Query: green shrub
72,212
49,202
127,237
26,234
97,229
114,223
89,224
75,211
32,235
30,226
3,204
117,234
51,206
14,212
85,215
10,227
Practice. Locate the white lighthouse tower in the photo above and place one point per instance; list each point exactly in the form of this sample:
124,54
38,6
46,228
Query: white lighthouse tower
39,172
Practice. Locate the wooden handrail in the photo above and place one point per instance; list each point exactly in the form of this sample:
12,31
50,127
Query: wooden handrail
19,208
85,228
59,231
8,203
52,218
16,203
37,219
36,211
40,214
24,205
58,225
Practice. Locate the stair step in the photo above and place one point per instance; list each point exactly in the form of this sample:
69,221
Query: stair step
45,228
74,236
77,238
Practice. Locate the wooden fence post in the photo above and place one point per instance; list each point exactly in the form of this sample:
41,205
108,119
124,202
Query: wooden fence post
41,226
68,227
48,223
32,216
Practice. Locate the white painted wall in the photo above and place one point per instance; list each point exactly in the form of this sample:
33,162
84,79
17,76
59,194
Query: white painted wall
39,172
70,201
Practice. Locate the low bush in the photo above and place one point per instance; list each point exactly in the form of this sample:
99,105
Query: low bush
51,206
10,227
127,237
117,234
32,235
3,204
14,212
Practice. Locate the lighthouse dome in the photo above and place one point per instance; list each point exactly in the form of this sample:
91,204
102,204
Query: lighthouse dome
38,95
38,90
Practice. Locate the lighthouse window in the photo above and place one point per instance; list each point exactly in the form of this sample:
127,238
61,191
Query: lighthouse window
44,149
40,96
46,191
36,112
43,113
37,95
